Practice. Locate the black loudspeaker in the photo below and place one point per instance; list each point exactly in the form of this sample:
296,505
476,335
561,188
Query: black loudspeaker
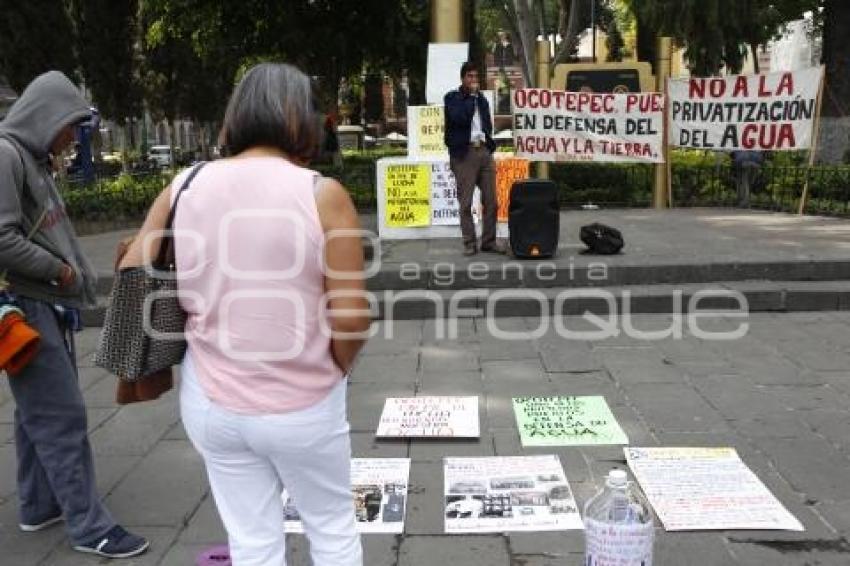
534,218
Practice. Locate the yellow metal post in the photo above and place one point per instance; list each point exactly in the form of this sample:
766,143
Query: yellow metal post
543,59
660,193
447,21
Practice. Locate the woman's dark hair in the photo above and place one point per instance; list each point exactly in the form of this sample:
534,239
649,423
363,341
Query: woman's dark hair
273,105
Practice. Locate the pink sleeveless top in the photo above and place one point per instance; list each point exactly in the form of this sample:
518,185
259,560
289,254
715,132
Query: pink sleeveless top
249,249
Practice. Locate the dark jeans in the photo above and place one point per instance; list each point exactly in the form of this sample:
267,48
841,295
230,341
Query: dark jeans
55,464
476,168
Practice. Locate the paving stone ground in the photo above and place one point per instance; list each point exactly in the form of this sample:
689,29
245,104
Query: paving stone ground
779,395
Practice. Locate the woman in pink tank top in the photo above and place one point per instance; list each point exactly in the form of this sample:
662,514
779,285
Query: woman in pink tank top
270,270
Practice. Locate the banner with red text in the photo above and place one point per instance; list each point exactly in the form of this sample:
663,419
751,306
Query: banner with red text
554,125
771,112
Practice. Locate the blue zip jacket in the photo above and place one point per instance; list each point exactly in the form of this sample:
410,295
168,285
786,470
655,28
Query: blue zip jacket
459,110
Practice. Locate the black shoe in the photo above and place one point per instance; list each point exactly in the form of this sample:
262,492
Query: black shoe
41,525
469,249
495,248
117,543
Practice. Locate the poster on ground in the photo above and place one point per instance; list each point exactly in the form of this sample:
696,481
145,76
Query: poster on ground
446,417
770,112
379,486
513,493
566,421
554,125
407,189
695,489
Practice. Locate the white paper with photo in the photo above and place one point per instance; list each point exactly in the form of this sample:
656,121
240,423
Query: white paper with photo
693,489
430,416
511,493
379,487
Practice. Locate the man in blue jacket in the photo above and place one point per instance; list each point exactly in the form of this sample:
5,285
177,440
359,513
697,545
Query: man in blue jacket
469,137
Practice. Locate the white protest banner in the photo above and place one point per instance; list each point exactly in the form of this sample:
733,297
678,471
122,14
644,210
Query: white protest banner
694,489
554,125
430,416
379,487
768,112
425,127
511,493
444,62
444,207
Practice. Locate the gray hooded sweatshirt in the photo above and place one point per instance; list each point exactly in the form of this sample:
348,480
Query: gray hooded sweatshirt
27,190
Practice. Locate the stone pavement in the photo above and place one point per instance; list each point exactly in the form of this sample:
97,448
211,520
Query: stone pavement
686,236
780,396
779,262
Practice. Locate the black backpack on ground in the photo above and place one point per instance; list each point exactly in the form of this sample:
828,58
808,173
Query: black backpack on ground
601,239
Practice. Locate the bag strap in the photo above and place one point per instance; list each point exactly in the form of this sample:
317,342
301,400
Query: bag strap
165,256
4,284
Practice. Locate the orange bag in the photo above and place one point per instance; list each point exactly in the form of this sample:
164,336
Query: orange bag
18,340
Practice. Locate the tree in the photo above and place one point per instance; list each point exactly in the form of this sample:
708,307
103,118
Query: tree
35,36
107,32
328,39
526,19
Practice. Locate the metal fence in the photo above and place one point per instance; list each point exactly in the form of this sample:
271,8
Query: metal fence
609,185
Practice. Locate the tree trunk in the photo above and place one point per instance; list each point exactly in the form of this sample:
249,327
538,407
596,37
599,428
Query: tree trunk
125,153
203,138
525,25
754,49
835,125
570,13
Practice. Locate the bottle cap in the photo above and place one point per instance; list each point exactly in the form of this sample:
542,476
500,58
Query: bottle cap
617,478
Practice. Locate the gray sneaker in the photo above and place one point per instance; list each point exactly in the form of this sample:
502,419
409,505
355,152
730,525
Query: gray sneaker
117,543
41,525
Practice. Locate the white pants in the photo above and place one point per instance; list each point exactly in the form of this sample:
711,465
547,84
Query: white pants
250,458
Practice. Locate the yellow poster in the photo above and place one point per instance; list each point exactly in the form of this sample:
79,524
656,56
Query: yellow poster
408,193
430,125
508,170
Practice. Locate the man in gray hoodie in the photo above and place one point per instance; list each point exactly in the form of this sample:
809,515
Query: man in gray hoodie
48,275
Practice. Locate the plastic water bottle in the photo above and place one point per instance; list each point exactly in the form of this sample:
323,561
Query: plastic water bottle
618,526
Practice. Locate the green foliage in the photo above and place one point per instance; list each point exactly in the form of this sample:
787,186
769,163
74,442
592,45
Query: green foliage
107,32
122,198
716,33
35,36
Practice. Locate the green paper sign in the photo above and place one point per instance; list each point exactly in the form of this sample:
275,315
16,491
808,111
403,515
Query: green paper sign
566,421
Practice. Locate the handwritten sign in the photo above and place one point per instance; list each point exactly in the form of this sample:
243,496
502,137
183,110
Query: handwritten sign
429,416
554,125
696,489
444,206
566,421
775,111
508,171
407,192
425,128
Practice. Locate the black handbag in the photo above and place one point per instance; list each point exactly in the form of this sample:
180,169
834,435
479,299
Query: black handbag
144,323
601,239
